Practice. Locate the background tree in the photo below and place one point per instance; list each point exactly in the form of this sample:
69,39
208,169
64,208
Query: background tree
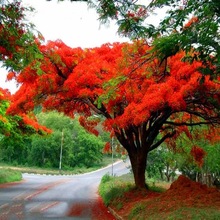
182,159
143,104
80,148
18,44
207,172
162,164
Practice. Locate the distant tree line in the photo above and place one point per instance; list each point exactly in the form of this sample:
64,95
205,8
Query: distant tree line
80,148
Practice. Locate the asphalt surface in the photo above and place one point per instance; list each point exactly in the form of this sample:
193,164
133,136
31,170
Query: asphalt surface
51,197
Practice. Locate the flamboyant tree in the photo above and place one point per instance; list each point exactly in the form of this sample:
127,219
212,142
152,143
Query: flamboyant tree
143,101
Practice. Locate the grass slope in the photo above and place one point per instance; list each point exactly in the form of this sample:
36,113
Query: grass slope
184,199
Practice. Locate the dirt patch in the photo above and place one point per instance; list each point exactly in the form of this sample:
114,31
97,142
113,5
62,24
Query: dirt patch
99,211
122,206
95,210
191,193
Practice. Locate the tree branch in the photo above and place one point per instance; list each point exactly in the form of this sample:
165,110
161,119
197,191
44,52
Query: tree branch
168,135
187,124
100,111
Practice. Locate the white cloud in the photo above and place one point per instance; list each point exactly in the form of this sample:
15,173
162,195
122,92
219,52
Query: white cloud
72,22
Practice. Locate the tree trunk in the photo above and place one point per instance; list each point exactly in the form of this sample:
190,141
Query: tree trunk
161,174
138,164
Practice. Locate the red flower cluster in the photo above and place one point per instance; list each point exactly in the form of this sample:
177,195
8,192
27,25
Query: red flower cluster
198,155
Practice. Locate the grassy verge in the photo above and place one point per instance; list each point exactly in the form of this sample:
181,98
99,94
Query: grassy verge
9,175
183,201
113,188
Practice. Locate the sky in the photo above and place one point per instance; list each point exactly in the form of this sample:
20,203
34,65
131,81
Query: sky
72,22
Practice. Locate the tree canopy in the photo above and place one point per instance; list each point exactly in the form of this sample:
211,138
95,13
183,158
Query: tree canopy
144,103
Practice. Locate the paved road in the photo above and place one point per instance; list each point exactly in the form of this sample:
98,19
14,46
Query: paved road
51,197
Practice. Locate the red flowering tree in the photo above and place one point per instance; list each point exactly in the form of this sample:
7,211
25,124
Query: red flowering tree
144,103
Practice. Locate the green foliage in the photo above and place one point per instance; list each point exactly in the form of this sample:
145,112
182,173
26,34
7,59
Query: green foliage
44,151
166,46
162,164
8,175
79,147
5,125
88,149
14,148
188,167
106,178
15,134
14,139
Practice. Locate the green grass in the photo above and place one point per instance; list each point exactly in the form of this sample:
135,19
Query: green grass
138,209
116,192
9,175
195,214
112,188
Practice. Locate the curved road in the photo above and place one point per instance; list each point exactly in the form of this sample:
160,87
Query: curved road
52,197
